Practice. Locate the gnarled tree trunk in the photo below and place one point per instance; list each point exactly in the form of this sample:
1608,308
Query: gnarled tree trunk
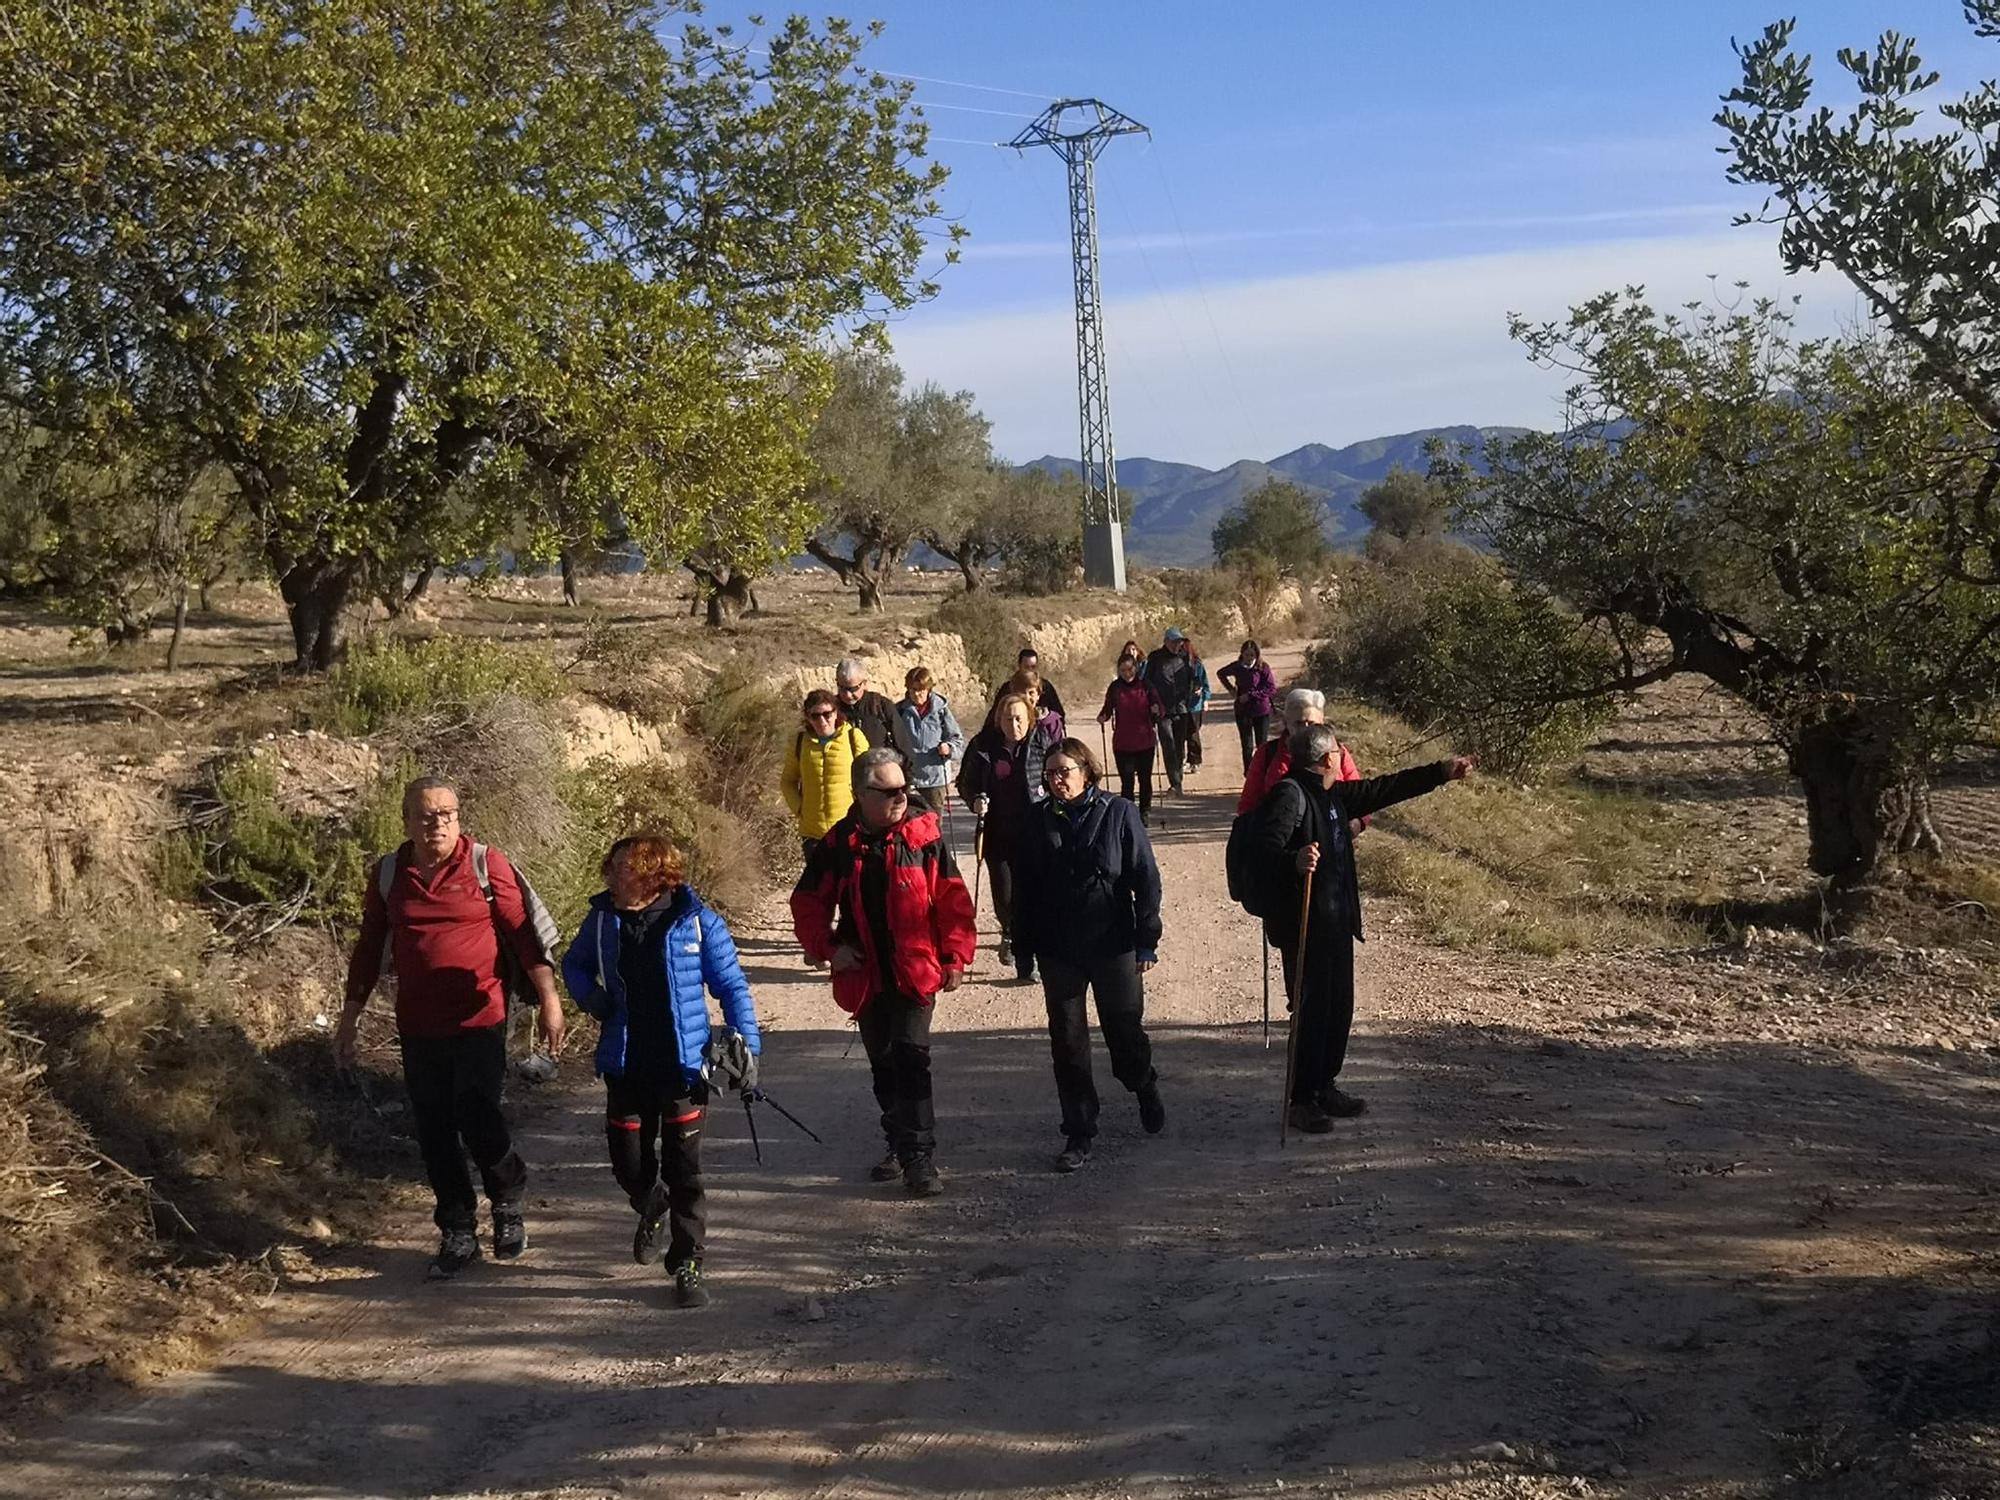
315,591
1862,809
570,595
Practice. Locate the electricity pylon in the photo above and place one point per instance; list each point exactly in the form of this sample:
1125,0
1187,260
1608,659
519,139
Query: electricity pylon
1078,130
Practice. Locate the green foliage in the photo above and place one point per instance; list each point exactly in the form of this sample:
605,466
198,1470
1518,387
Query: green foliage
991,633
1408,515
389,678
414,271
1777,516
1278,521
1498,670
269,855
1026,519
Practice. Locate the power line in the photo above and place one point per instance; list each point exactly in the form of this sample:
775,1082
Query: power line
1201,287
952,83
973,109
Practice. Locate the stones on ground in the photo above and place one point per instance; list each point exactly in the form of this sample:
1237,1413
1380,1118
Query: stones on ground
1496,1452
814,1310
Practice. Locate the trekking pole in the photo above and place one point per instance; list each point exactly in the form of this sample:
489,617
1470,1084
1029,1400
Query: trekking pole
1298,1004
950,829
750,1119
1267,992
978,864
759,1096
1103,747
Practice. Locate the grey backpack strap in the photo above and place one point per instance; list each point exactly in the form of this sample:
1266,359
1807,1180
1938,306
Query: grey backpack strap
479,872
385,875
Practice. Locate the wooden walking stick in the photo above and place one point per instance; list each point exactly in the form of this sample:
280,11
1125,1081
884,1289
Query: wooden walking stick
1267,991
1298,1004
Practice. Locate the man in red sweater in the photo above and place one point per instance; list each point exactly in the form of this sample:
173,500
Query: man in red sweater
443,937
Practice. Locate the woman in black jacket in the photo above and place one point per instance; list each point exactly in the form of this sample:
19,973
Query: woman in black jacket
1001,781
1088,910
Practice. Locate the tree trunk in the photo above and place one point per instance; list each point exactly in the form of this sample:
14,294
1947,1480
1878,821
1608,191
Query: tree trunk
422,585
869,583
180,628
315,592
843,567
725,591
569,578
968,566
1861,811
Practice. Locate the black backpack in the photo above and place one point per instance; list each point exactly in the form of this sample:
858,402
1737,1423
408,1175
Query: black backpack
1249,887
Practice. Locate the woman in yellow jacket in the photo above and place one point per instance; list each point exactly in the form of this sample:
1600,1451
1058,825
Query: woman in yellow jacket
819,768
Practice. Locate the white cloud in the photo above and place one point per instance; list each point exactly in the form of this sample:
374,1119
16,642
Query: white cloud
1260,367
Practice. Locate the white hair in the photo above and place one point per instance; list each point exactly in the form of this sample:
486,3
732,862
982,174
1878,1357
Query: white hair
1298,700
850,669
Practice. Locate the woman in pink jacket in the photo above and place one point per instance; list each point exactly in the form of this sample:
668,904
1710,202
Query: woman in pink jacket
1133,709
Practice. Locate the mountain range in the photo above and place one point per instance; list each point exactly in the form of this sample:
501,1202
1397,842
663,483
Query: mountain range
1170,508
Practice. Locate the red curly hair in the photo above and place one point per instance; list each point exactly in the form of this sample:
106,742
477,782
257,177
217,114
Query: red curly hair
648,857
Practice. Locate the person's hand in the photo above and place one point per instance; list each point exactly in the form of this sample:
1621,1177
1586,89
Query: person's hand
749,1084
554,1026
1308,859
1145,964
944,752
845,958
1459,767
980,804
1104,718
1355,827
343,1040
952,978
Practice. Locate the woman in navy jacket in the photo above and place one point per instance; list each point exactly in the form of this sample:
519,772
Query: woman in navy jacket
639,964
1089,912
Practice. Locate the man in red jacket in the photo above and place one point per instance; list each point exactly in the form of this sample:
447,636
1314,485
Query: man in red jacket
882,903
443,936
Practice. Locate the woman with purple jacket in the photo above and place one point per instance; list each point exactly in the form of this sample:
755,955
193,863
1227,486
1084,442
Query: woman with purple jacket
1254,686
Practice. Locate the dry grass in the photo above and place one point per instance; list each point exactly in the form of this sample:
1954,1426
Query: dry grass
1532,868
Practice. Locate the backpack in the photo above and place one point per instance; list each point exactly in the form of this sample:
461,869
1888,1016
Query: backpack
1248,886
513,979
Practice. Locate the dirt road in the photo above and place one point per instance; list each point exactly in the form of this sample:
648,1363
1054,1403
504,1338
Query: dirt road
1582,1244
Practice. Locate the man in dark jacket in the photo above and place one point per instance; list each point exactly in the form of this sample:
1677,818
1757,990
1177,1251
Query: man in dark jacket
881,902
444,933
867,710
1172,677
1302,826
1090,913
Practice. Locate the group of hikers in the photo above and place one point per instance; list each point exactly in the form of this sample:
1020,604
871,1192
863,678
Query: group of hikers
882,905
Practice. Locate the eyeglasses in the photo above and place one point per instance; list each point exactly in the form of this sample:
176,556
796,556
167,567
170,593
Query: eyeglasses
852,689
821,713
890,793
441,816
1063,772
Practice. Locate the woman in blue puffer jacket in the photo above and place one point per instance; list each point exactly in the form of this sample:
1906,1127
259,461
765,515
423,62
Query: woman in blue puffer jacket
639,964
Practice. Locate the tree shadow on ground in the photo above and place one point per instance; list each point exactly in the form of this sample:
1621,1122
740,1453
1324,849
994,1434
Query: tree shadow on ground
1613,1258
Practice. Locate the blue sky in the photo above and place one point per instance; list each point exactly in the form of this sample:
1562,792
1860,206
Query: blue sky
1340,202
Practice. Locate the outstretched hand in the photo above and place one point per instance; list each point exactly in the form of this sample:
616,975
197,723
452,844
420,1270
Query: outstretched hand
1459,767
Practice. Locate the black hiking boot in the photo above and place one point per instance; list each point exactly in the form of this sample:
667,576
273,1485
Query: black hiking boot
510,1234
689,1289
1075,1152
1311,1119
1006,954
1152,1109
458,1249
888,1169
646,1238
921,1178
1341,1106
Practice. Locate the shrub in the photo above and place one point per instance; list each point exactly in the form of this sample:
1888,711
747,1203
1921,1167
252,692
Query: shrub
1040,566
1500,671
389,679
990,632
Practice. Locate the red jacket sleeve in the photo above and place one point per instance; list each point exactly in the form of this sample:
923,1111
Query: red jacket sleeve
813,906
954,926
512,911
364,965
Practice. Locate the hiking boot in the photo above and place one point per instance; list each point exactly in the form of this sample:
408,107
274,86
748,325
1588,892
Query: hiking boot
1006,949
921,1178
1075,1152
1025,974
689,1290
510,1234
1311,1119
888,1169
646,1238
458,1249
1340,1105
1152,1110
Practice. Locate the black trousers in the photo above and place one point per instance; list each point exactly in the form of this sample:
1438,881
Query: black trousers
1326,1012
1121,1016
1135,778
1190,728
654,1132
1173,748
1251,732
896,1033
454,1085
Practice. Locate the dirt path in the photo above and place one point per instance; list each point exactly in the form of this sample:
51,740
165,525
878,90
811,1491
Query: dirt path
1642,1260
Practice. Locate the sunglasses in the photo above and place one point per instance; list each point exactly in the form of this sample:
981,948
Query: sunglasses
890,793
821,713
